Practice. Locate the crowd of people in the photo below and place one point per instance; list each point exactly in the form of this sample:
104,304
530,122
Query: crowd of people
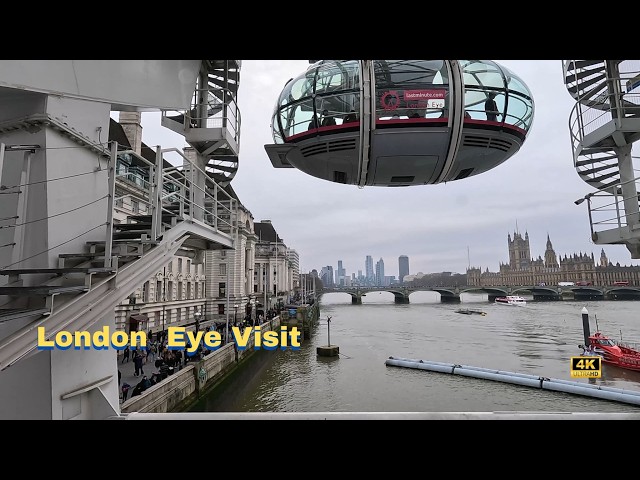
165,361
168,361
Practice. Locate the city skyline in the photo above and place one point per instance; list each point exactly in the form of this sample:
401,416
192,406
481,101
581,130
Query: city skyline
495,266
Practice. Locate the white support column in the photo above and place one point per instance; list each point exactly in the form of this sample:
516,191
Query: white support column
628,184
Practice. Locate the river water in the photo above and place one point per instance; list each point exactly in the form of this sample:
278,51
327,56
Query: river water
536,339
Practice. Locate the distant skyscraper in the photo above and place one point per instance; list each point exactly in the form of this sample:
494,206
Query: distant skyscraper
294,261
326,275
380,273
368,270
403,267
340,274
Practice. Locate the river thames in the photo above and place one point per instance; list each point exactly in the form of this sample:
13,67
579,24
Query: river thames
536,339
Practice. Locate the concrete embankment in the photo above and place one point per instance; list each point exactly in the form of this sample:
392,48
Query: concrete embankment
183,388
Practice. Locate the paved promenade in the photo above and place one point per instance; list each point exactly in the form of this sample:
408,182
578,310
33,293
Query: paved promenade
127,370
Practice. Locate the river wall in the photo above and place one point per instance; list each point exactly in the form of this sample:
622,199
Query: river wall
182,389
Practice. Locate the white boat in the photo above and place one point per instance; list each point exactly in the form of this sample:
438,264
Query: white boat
515,300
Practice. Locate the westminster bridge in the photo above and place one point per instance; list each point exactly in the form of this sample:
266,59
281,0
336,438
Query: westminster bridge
540,293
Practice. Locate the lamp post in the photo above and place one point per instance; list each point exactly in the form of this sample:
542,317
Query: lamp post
164,296
253,310
197,316
235,314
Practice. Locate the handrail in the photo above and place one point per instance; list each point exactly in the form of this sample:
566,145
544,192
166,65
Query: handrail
186,188
591,113
609,201
216,207
211,117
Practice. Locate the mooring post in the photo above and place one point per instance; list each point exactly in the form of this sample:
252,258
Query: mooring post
585,326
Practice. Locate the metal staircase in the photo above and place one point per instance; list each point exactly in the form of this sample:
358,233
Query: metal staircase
604,124
187,211
68,253
212,124
86,286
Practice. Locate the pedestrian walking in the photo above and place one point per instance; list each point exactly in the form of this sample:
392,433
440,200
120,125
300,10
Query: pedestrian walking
125,391
152,350
137,362
125,356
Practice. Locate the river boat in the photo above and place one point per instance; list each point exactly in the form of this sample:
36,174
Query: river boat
468,311
613,353
513,300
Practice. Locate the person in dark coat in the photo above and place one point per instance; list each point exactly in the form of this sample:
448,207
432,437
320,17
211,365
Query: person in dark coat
137,390
125,390
491,108
327,120
125,356
145,382
137,361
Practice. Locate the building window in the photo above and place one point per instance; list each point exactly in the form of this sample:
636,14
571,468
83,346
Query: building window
222,289
179,265
170,291
223,253
223,269
179,291
188,290
145,292
158,291
221,309
135,206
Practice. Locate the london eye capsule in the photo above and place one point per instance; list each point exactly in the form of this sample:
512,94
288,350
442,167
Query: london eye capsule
400,122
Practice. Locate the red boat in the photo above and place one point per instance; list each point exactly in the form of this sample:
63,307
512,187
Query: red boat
613,353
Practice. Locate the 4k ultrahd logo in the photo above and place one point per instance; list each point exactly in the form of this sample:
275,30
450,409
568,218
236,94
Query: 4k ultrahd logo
590,367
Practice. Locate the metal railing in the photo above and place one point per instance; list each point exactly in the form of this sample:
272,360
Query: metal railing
197,197
323,416
184,191
586,119
606,208
611,102
211,108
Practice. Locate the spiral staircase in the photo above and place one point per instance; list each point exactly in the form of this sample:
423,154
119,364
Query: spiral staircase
604,124
212,124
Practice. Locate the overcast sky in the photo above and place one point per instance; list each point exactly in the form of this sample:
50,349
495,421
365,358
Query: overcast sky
440,228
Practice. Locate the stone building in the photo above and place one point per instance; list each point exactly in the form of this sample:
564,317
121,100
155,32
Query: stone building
224,284
274,268
174,296
232,270
523,269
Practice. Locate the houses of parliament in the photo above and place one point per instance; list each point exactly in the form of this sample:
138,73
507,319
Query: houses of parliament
522,269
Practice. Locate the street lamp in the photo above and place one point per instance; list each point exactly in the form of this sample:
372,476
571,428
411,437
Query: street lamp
235,314
253,310
197,316
586,197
